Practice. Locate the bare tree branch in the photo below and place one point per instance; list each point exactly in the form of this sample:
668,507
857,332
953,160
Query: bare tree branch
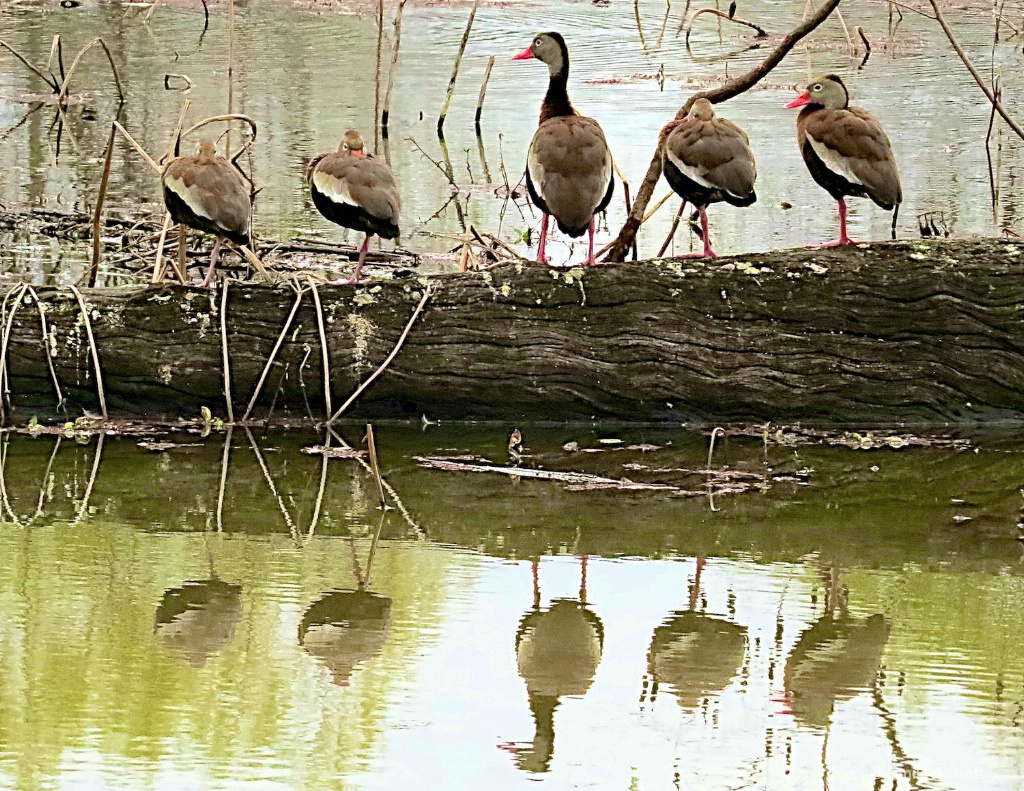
998,105
627,234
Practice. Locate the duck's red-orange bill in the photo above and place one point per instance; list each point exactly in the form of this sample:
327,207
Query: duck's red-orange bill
526,53
800,101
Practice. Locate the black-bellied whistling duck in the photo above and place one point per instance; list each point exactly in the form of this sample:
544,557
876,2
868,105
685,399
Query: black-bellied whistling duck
357,191
846,150
208,193
707,159
569,166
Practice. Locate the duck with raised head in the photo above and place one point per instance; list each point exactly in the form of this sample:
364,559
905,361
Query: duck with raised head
846,150
355,190
569,166
208,193
707,159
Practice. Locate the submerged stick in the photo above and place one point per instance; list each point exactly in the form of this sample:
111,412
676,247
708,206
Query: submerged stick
273,354
480,100
371,445
386,112
427,292
455,70
95,351
225,357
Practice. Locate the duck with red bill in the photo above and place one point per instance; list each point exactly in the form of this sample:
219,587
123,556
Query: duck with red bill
846,150
569,165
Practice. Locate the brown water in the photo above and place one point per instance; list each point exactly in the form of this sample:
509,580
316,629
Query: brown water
855,633
305,77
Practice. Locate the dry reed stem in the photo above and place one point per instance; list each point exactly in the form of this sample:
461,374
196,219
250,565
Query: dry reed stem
49,81
5,395
225,457
427,292
846,32
4,384
46,346
92,477
180,264
326,357
97,215
717,431
158,269
455,70
376,77
761,33
480,99
131,140
172,149
95,351
65,86
651,212
273,354
318,505
231,73
371,444
225,357
373,548
386,111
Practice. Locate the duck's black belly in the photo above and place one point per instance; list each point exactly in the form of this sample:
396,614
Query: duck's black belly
182,214
697,194
354,217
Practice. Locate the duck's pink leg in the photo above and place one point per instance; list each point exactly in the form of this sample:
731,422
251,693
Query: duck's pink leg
843,238
708,252
213,263
542,243
354,280
590,244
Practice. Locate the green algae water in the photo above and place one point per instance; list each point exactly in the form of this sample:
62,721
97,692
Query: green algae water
860,629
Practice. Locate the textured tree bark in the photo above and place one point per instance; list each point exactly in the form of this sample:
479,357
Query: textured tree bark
928,332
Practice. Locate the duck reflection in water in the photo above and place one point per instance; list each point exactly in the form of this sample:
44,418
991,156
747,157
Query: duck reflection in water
558,651
199,618
836,658
347,627
695,655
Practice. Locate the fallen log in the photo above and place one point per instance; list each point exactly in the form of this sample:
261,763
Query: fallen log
923,332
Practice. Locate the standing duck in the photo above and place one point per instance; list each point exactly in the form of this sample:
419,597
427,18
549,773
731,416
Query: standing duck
569,166
208,193
355,190
707,159
846,150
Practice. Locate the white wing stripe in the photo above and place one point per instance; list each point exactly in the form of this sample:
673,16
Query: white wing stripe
177,186
833,160
692,173
333,188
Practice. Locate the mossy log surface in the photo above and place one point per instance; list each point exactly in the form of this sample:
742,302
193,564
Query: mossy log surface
926,332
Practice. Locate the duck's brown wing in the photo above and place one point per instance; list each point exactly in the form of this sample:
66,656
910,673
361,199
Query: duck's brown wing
715,154
852,144
212,189
570,169
363,182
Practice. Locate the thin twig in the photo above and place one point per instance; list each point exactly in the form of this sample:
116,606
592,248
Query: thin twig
427,292
225,357
94,350
376,77
480,98
158,269
761,32
672,230
49,81
6,343
98,213
324,354
152,163
455,70
371,445
92,476
44,328
273,354
386,112
231,72
225,456
66,85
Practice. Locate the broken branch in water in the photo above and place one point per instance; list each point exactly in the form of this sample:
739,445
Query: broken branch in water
993,99
455,70
761,32
734,87
579,478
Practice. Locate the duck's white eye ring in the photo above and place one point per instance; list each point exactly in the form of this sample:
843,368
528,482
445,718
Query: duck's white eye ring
816,87
345,146
537,42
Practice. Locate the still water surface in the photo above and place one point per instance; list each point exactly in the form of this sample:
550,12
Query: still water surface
855,633
306,76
